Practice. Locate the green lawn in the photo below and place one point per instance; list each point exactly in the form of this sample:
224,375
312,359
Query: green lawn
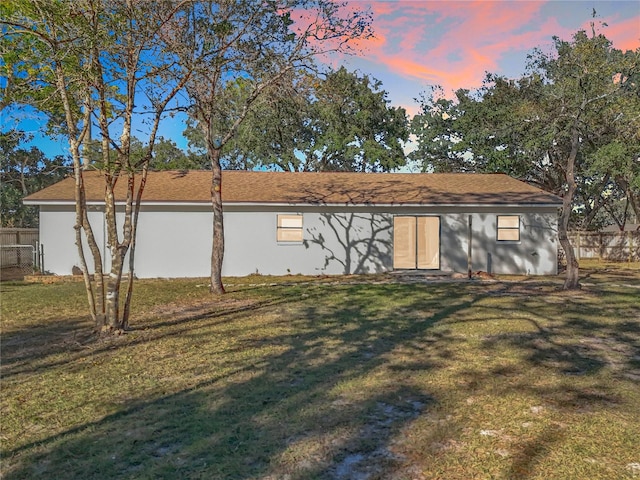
318,379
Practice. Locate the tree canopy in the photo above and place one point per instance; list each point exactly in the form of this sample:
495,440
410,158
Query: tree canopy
351,126
96,67
22,172
339,121
569,125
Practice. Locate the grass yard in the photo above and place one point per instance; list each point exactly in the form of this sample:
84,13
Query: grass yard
317,379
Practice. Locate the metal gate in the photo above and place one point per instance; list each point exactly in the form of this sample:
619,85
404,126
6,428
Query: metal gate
21,259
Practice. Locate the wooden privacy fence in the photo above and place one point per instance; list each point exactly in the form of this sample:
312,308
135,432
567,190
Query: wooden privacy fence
613,246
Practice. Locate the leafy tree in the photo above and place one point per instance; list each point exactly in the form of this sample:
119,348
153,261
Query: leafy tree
84,62
24,171
350,126
545,127
234,53
168,156
340,121
272,129
586,82
617,158
439,144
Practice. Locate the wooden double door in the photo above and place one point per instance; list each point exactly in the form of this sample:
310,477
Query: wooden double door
416,243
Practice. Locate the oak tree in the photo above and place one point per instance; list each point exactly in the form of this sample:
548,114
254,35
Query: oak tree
545,127
235,52
24,170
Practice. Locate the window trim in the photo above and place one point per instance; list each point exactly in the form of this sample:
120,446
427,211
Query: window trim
283,230
505,229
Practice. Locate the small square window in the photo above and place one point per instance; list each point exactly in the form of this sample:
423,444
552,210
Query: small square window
289,228
508,228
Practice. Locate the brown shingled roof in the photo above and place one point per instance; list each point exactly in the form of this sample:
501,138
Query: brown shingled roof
316,188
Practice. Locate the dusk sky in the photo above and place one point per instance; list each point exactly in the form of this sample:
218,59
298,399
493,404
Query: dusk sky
453,43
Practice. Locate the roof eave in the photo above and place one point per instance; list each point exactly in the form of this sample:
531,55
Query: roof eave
306,204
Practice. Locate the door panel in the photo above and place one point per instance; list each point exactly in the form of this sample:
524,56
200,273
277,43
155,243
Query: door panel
416,243
404,242
428,243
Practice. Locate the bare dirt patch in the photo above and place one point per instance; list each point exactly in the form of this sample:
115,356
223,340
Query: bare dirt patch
179,311
12,274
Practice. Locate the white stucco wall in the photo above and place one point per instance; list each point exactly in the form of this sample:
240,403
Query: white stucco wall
175,241
335,242
57,236
535,253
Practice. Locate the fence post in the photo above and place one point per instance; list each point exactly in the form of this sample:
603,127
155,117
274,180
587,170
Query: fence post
41,258
18,252
469,249
578,244
630,242
600,246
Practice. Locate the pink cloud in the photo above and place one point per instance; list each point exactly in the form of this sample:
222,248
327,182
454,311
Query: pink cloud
624,34
454,43
470,40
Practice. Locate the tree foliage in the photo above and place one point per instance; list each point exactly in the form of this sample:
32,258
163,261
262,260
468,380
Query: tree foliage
87,63
570,126
22,172
338,121
350,126
235,52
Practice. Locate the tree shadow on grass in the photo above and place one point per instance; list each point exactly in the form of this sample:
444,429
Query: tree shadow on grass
308,409
37,348
582,348
574,333
534,451
23,349
320,398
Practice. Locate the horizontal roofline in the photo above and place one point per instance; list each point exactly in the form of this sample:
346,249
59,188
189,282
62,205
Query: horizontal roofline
312,188
310,204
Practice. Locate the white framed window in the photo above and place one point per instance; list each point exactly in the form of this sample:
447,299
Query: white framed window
289,228
508,228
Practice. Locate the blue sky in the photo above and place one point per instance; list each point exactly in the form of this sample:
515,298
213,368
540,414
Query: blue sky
452,44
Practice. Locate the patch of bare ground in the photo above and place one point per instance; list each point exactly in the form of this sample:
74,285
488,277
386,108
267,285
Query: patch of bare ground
8,274
178,311
521,289
369,458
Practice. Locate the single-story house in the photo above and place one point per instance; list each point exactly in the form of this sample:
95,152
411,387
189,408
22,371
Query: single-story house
320,223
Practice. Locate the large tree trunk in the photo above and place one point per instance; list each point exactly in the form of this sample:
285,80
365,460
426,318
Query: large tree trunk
98,277
112,300
132,248
217,251
572,280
